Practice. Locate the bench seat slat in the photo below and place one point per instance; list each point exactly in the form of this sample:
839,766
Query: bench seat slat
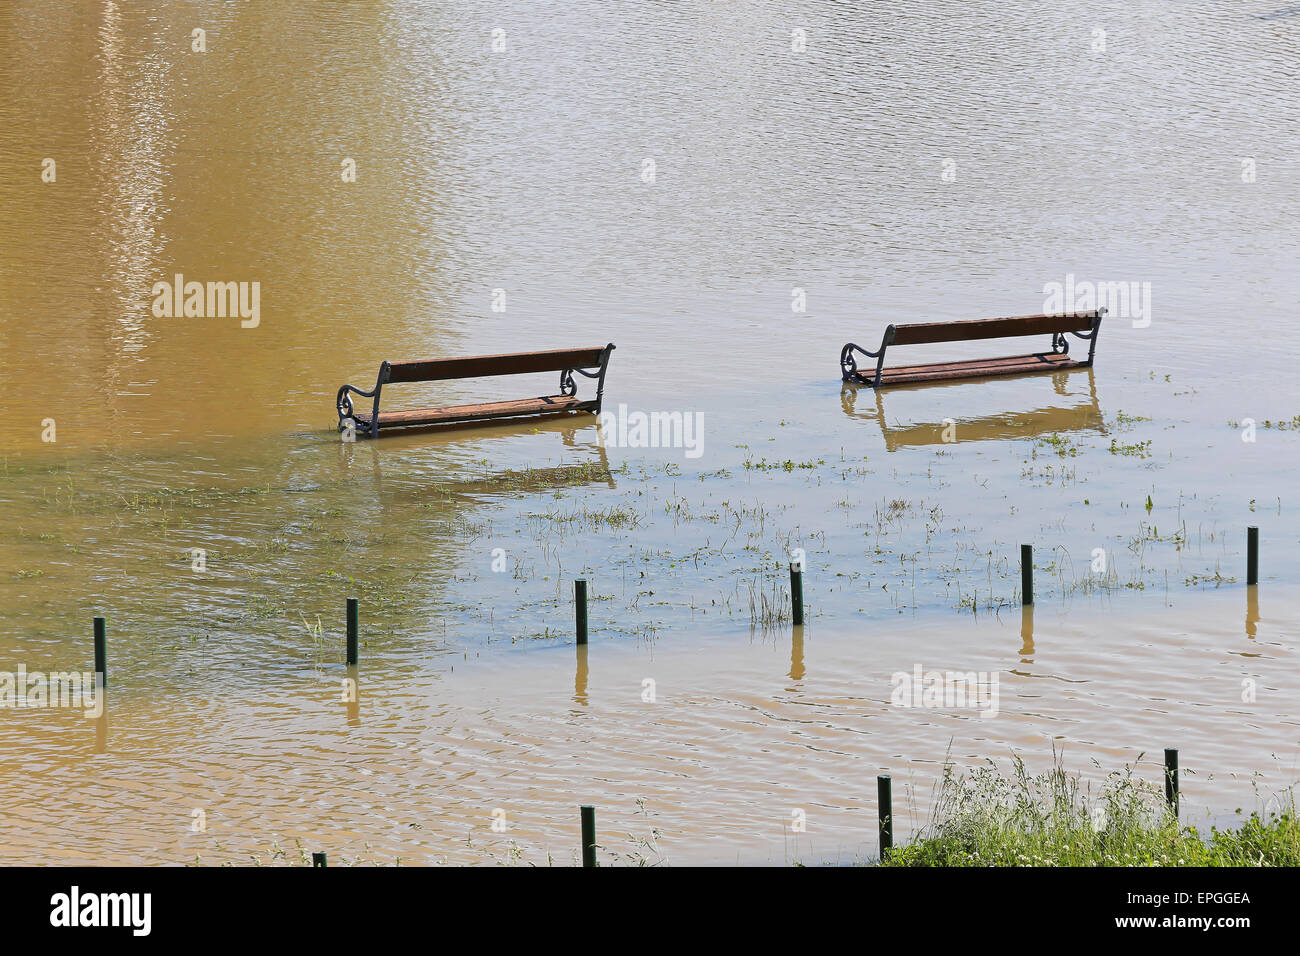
515,363
977,368
966,330
485,410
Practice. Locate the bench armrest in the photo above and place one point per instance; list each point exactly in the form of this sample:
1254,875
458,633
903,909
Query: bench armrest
1061,345
849,367
343,402
569,387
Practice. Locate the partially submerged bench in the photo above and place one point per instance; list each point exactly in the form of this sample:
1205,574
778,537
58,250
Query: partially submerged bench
1084,325
590,363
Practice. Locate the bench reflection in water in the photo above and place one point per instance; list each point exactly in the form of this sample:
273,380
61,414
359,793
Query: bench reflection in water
1084,414
579,448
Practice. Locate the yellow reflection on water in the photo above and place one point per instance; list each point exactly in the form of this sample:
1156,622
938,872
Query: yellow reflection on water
1083,415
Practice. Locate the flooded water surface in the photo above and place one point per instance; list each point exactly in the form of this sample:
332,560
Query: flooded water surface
729,193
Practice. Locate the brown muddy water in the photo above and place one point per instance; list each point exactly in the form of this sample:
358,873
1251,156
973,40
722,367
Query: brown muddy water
901,165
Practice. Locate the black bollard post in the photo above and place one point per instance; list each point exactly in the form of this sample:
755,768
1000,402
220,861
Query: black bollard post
885,809
101,652
796,593
1252,555
1171,778
1026,574
318,859
588,836
580,608
352,632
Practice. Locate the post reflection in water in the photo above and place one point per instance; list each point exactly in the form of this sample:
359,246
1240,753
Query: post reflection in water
101,729
1027,633
1252,609
352,696
580,678
796,654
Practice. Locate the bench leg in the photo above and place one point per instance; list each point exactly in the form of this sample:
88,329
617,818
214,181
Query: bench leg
600,381
880,366
1092,336
374,414
569,387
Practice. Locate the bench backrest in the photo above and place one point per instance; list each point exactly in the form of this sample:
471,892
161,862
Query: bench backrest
966,330
517,363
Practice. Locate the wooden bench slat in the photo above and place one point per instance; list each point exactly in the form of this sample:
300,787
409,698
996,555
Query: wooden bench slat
978,368
516,363
485,410
967,330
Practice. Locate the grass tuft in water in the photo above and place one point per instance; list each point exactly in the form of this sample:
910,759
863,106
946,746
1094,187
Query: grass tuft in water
986,818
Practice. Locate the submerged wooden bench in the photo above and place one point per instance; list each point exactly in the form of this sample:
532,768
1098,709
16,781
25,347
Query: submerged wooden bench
587,362
1084,325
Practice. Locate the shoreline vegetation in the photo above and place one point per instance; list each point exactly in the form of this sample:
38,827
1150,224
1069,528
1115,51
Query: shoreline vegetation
984,817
